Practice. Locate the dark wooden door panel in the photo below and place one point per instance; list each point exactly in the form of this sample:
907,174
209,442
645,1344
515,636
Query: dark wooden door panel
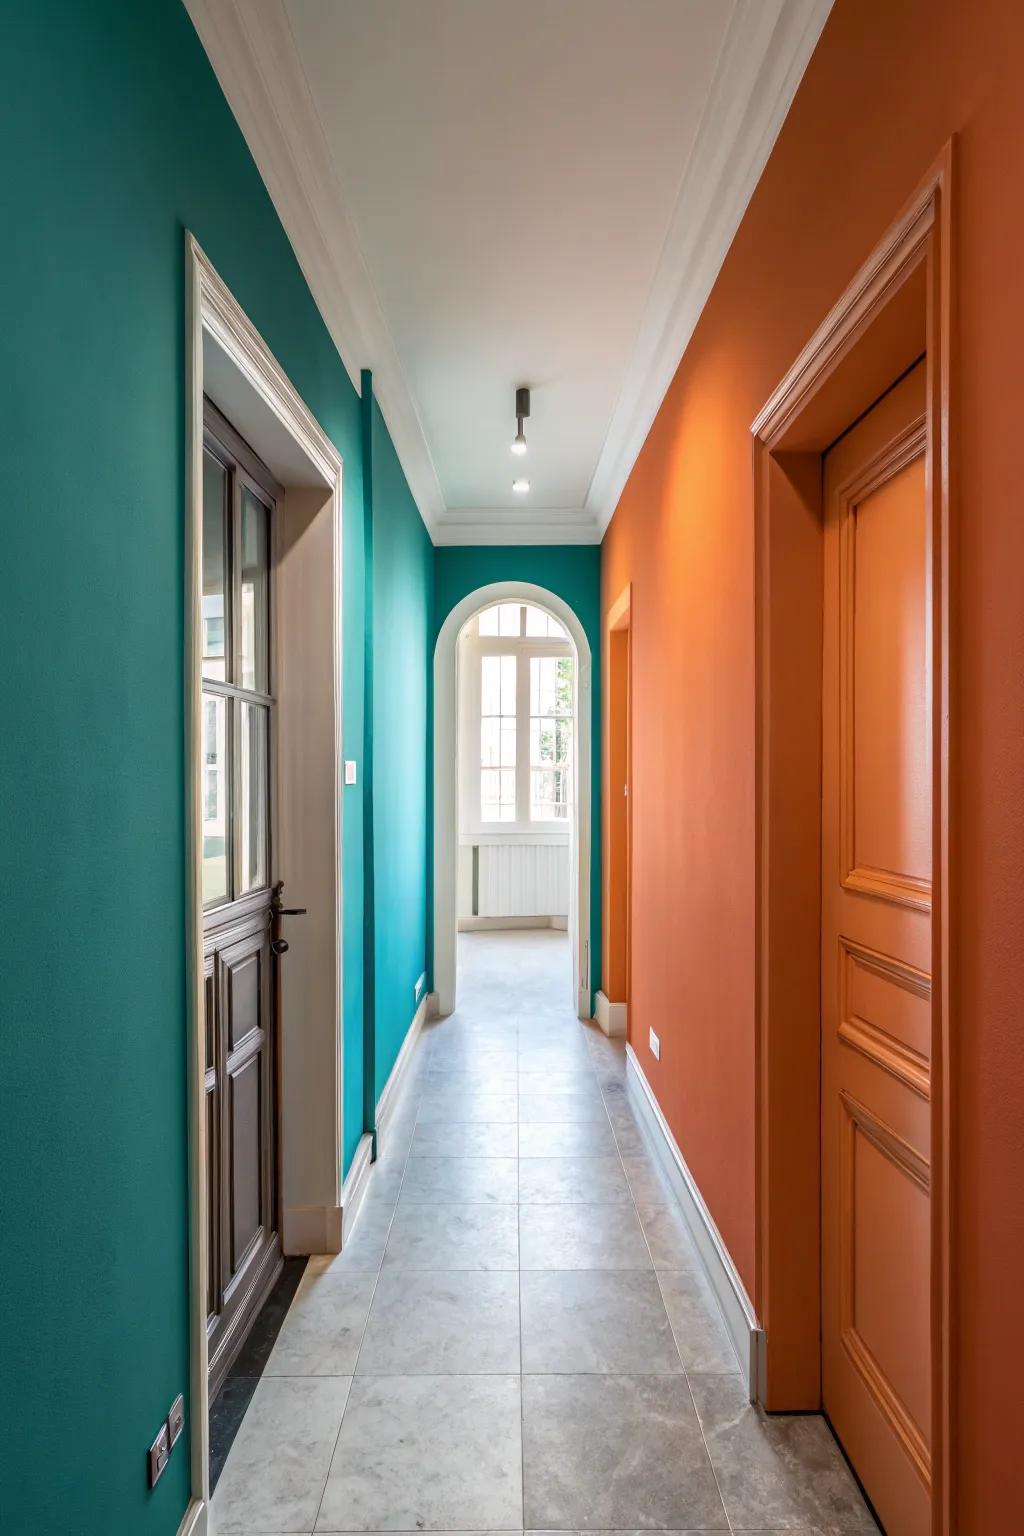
245,1116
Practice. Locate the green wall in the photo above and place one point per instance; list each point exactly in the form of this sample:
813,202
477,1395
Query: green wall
573,573
116,139
403,566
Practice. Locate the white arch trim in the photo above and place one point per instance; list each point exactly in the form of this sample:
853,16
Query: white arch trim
446,781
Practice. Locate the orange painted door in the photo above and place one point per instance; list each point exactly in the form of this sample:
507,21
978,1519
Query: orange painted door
876,955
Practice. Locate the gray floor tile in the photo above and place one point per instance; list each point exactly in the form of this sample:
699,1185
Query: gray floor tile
647,1180
668,1237
539,1108
276,1469
581,1237
427,1453
596,1320
430,1323
776,1470
573,1138
571,1180
472,1138
321,1333
700,1332
451,1108
364,1250
453,1237
487,1180
615,1453
559,1082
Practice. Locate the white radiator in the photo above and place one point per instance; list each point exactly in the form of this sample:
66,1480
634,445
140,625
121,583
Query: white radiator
522,880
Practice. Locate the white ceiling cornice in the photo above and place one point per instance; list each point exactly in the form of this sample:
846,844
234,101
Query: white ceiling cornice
250,45
765,51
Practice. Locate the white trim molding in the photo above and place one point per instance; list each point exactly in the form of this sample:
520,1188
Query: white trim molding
446,784
311,1228
194,1521
737,1309
609,1016
297,449
391,1093
766,49
355,1187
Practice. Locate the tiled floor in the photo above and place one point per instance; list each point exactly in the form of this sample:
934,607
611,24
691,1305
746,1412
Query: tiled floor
519,1335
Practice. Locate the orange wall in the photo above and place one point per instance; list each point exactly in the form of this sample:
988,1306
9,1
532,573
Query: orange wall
890,82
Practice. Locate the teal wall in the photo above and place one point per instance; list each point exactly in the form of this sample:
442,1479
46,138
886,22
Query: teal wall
116,139
403,565
573,573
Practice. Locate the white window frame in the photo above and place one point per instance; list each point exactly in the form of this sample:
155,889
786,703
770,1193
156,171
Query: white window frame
474,647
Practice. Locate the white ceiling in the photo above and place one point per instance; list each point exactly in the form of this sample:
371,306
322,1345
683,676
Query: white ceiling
486,193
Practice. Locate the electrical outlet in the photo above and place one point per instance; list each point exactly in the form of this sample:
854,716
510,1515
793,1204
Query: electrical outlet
655,1044
176,1420
350,771
420,984
159,1453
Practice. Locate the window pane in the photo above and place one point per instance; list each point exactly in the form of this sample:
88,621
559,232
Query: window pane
216,820
536,621
253,796
490,685
508,685
508,619
489,622
255,636
215,551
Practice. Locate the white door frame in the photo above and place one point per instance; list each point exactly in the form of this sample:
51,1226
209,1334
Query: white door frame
222,342
446,783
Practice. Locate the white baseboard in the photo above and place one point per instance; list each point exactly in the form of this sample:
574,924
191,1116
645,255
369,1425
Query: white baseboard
392,1090
193,1521
737,1310
357,1181
311,1229
611,1017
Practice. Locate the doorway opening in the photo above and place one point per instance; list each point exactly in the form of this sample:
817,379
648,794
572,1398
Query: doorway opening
512,791
612,1006
263,818
854,703
516,735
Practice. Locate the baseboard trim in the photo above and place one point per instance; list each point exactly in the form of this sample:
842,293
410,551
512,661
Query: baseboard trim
311,1229
609,1016
392,1090
737,1310
357,1181
193,1521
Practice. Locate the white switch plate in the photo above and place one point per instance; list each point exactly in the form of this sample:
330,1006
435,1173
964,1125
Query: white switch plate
350,771
655,1046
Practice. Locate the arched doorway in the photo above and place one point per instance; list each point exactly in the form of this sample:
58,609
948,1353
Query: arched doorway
446,779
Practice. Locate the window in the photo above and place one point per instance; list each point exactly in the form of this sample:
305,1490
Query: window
518,703
498,738
236,680
550,737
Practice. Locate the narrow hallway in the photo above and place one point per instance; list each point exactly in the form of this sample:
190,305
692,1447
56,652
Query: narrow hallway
519,1334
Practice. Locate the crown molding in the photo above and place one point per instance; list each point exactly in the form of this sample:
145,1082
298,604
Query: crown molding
515,525
767,47
765,51
250,46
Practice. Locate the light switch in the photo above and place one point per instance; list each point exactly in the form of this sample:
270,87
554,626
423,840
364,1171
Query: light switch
350,771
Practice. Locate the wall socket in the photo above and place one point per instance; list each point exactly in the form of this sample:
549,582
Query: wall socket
159,1455
167,1437
655,1045
420,984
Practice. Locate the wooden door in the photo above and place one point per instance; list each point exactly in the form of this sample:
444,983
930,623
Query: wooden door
240,1021
876,954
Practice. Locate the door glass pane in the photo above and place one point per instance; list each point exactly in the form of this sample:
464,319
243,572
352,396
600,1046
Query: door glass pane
215,806
255,625
253,791
215,552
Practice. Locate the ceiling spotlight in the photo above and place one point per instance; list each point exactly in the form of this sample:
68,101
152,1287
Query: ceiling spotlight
522,411
520,487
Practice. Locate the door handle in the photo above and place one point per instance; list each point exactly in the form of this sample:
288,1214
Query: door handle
278,946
